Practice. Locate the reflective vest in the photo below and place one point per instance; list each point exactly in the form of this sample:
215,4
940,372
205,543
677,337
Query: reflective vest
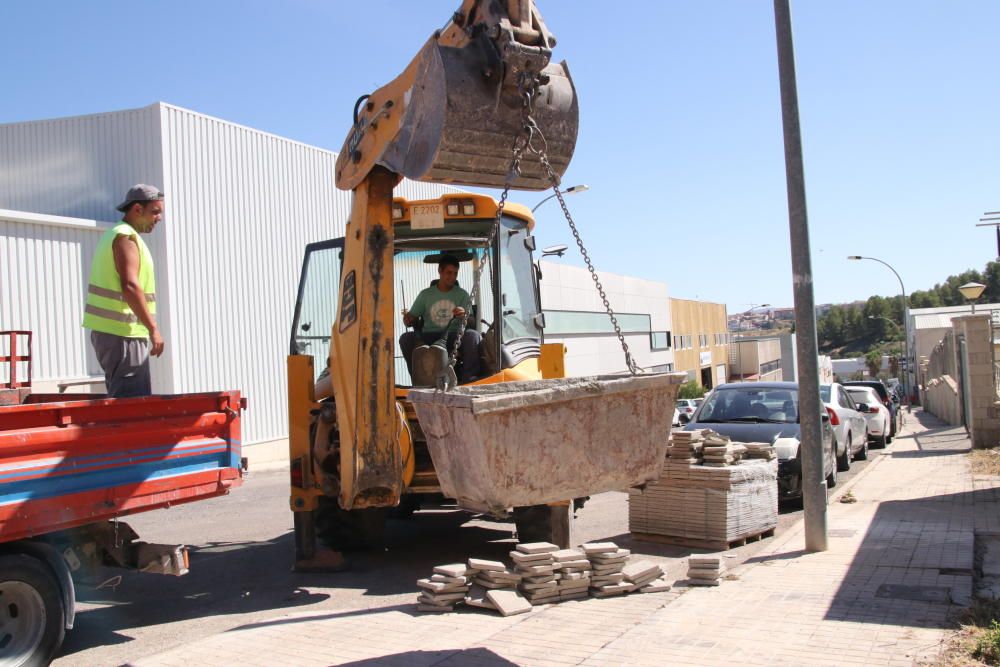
106,308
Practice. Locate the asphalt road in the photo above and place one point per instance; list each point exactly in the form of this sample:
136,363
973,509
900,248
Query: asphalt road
241,555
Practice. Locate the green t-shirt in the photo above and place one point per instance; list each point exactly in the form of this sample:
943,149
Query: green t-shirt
436,307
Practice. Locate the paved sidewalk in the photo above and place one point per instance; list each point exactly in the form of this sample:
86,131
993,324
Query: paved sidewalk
900,561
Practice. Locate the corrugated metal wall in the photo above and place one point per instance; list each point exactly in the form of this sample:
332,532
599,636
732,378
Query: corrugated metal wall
240,207
43,278
81,166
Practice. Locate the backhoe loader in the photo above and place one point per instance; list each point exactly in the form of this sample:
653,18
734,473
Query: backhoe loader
481,104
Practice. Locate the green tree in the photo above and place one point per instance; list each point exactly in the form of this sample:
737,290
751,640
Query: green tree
873,360
691,389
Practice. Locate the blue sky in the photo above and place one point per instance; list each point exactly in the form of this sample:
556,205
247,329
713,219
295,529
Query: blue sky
680,131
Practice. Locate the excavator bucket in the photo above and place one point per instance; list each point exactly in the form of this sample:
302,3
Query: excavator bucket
518,444
451,118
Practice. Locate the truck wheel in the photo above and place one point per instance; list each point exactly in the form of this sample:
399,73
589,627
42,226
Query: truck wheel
354,530
408,504
545,523
32,618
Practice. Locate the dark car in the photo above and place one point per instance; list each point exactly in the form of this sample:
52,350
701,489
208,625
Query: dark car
885,396
766,412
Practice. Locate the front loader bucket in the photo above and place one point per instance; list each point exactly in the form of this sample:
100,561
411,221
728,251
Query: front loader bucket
459,126
518,444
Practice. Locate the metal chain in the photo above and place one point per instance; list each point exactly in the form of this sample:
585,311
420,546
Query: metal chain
632,367
532,139
446,379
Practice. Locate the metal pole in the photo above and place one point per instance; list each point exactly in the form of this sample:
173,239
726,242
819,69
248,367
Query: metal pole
810,408
906,327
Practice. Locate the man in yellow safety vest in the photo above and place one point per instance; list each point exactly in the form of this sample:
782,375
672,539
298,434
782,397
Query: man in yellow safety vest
121,297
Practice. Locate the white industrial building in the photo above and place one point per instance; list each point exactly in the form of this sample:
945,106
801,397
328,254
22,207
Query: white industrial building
241,205
575,316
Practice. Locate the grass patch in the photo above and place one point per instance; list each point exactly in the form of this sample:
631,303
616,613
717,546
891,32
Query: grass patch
985,461
977,641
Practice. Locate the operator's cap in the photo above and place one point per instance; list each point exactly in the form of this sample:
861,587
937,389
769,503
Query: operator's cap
140,192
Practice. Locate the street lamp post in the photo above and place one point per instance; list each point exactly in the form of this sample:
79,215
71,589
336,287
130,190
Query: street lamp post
906,325
971,292
573,189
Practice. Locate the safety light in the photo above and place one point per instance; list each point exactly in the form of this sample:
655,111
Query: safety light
397,212
453,208
468,208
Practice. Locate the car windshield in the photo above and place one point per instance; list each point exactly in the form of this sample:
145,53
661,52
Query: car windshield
862,396
824,393
751,404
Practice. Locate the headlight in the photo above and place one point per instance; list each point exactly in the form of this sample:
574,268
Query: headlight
786,448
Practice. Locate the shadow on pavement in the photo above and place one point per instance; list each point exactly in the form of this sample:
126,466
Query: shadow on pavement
472,657
914,565
915,561
246,577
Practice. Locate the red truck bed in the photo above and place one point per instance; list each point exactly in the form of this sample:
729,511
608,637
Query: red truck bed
66,461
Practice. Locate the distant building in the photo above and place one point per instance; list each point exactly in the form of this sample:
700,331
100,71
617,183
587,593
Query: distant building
701,342
755,359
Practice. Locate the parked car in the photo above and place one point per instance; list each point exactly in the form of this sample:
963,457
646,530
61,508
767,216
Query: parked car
766,412
849,424
677,418
886,399
875,412
686,407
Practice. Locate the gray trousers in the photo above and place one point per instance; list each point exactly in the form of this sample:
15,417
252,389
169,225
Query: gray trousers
125,362
468,352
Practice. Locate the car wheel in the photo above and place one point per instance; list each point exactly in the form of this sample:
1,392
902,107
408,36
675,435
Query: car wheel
880,441
844,460
863,453
831,479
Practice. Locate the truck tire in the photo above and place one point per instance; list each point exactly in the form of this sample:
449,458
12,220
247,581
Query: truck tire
32,618
354,530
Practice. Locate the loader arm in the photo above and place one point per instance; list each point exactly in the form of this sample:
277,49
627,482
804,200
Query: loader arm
452,116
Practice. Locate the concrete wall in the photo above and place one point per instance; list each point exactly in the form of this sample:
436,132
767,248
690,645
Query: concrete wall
942,389
985,418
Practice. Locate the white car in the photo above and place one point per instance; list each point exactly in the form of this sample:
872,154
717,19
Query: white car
686,408
879,420
850,426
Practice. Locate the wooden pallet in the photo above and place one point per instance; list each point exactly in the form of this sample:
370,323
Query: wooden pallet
712,545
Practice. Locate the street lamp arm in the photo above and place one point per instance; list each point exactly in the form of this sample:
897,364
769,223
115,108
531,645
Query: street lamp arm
535,208
906,322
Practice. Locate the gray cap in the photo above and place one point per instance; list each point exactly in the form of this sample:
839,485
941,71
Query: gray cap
142,193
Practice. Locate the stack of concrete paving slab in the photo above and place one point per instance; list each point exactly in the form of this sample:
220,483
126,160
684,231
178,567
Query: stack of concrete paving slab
606,564
718,456
444,589
643,574
706,506
705,570
759,450
573,570
495,587
537,567
686,447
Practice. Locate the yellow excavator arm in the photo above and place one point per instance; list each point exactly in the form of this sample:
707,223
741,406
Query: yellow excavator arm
452,116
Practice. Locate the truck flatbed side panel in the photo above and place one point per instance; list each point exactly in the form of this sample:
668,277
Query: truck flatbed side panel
68,463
